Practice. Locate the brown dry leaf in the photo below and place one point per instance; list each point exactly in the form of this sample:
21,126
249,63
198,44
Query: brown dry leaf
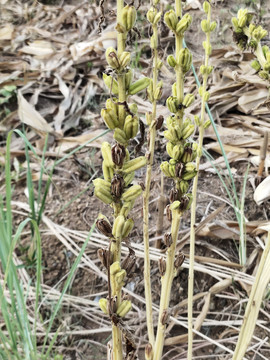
252,100
28,115
68,143
262,192
40,48
6,32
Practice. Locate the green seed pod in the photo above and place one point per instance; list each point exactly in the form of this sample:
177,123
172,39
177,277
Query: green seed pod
206,96
133,108
107,172
103,304
120,277
205,25
126,207
197,120
111,84
175,205
131,126
115,268
178,151
107,154
132,193
184,59
124,308
207,124
120,136
135,164
169,148
188,100
112,58
158,91
128,178
111,124
203,69
171,20
174,90
111,104
128,78
172,170
264,75
164,166
171,61
213,26
157,18
172,104
170,136
139,86
103,184
124,59
103,195
190,167
184,185
206,7
118,226
266,66
150,15
188,131
183,24
235,23
127,228
128,17
209,70
189,175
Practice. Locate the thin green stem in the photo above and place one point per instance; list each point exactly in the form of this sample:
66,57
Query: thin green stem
193,206
166,285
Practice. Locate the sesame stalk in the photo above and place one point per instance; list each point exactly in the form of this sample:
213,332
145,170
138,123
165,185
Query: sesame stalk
180,168
116,188
154,93
205,70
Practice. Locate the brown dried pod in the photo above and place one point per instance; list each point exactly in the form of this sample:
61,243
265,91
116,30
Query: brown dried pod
168,213
159,122
118,154
184,203
103,256
117,186
179,169
104,227
113,303
179,259
174,195
168,239
128,263
164,317
162,266
148,352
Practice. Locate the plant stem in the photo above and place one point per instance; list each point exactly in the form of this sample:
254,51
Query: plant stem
193,207
166,283
146,195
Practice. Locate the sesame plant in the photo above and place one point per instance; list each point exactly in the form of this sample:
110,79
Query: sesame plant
116,188
154,91
205,70
180,167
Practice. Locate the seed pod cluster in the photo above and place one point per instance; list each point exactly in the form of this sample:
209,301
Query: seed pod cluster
249,35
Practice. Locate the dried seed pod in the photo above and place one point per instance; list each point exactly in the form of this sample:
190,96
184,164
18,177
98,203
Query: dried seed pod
128,263
168,239
104,227
159,122
164,317
168,213
179,170
117,186
179,259
118,154
148,352
113,304
103,256
162,266
174,195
